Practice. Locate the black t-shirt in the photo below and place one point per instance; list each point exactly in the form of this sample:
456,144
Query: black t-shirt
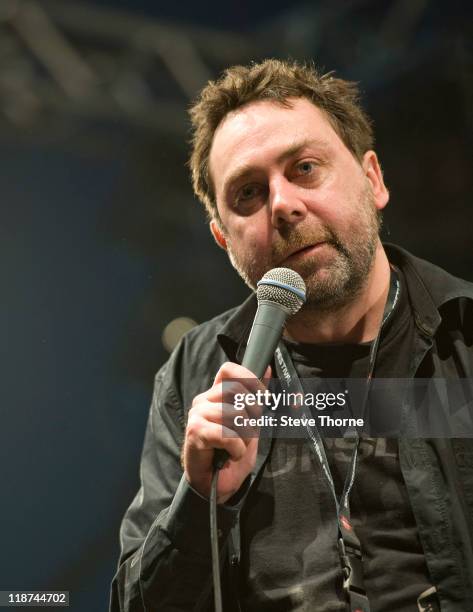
290,560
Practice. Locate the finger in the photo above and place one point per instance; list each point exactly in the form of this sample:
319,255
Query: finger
223,372
243,422
209,436
226,389
234,371
236,399
267,376
240,421
216,412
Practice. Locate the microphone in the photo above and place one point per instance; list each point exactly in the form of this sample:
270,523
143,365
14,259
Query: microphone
281,293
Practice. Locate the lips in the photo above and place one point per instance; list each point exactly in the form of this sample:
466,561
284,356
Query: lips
301,252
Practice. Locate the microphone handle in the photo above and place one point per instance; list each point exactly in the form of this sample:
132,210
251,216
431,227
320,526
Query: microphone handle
262,342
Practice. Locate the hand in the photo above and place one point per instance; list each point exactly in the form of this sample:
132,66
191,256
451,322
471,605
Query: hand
208,429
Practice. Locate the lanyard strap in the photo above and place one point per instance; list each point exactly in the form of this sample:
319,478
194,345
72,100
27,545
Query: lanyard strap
348,543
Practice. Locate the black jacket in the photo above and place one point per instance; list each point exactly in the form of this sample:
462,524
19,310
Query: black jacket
165,561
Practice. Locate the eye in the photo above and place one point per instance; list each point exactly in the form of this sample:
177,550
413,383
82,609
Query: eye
248,192
249,198
305,168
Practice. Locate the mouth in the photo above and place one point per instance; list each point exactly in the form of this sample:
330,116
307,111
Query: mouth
306,251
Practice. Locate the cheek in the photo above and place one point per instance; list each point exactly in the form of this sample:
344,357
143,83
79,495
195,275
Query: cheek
250,233
247,246
342,206
333,211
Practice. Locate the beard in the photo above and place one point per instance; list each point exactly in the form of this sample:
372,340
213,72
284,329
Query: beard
333,277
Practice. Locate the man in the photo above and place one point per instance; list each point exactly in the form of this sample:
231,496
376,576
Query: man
283,160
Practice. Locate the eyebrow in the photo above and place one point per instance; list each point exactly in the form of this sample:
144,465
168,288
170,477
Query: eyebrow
299,145
246,169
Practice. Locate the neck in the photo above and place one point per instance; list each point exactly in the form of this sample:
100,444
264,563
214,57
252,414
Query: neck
355,322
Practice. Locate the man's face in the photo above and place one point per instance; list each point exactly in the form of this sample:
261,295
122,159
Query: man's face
289,193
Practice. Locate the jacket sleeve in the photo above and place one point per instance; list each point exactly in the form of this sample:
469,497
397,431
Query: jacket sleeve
165,561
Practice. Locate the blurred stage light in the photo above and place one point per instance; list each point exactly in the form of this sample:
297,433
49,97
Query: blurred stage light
174,331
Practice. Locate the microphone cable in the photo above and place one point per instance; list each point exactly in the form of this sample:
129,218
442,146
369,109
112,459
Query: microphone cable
214,540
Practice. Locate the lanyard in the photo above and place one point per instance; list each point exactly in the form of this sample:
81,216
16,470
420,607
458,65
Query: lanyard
349,546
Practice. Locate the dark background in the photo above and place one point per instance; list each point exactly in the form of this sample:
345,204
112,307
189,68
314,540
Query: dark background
103,244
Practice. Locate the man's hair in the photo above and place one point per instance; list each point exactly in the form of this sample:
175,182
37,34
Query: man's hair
277,81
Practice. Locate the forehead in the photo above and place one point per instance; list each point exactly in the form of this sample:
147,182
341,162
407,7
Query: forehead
259,132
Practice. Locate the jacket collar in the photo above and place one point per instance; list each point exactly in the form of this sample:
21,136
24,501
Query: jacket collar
429,288
234,334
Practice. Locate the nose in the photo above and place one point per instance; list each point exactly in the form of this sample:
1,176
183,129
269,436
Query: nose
287,207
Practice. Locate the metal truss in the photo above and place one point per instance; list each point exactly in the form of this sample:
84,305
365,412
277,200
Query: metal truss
69,59
66,61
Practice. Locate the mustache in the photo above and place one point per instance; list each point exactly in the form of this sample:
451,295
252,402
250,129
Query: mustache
298,239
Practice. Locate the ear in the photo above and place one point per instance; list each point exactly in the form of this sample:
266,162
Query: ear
374,174
218,235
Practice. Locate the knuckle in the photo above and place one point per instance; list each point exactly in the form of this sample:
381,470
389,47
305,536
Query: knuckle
198,399
194,427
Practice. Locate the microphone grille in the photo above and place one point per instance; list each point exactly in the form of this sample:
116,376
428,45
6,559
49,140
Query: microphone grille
282,286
